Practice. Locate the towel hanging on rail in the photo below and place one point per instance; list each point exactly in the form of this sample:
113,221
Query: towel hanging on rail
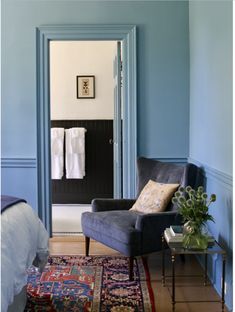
57,153
75,153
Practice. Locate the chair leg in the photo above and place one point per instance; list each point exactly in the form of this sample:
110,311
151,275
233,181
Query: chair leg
87,245
131,265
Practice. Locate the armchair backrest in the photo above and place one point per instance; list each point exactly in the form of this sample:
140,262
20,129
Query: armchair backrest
162,172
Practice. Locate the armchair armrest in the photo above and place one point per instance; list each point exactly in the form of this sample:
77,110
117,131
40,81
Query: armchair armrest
157,222
109,204
152,227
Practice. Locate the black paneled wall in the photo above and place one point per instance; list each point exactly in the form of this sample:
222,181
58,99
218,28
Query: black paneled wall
98,181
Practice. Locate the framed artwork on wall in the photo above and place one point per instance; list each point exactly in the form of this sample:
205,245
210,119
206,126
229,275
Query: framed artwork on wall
85,87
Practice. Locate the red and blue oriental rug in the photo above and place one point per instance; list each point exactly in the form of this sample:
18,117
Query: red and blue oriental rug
82,284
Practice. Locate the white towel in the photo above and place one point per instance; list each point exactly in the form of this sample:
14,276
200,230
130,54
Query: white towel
75,153
57,153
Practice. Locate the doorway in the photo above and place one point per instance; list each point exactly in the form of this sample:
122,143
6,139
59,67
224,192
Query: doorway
124,33
98,115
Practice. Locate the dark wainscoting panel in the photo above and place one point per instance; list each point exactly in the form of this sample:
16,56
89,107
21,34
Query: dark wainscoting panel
98,181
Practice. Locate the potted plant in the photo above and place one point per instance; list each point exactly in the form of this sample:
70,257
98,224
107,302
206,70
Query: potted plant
194,208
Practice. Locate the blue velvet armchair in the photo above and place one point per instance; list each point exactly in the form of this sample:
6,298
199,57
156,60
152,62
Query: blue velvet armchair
134,233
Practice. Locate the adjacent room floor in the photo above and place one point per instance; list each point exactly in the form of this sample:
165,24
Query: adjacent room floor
188,288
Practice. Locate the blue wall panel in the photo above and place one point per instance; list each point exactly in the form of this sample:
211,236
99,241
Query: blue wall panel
19,178
220,184
222,230
210,27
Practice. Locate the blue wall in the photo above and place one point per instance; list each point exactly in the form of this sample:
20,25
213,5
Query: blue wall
210,28
163,75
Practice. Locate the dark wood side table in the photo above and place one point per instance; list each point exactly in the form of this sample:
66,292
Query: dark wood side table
177,249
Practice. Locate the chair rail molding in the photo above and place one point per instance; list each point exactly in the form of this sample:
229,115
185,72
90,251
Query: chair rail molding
180,160
224,178
22,162
47,33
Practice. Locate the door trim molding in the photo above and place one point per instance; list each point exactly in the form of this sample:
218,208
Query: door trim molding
46,33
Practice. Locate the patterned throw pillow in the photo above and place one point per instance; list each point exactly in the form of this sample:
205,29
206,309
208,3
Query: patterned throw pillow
154,197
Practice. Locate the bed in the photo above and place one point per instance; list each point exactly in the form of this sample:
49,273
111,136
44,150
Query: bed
24,241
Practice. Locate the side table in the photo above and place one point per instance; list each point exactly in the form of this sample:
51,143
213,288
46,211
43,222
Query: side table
177,249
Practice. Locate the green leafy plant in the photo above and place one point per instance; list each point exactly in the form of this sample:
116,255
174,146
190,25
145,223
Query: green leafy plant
194,204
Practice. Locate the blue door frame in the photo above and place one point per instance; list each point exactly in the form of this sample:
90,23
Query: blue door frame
47,33
117,126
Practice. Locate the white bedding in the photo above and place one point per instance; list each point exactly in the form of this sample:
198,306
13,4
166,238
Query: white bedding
24,240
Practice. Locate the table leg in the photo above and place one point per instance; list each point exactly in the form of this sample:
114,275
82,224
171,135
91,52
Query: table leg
223,281
205,272
163,261
173,281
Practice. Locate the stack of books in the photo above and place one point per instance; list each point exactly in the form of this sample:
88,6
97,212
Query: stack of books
174,234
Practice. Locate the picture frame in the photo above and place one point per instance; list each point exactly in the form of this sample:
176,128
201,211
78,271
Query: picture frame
86,87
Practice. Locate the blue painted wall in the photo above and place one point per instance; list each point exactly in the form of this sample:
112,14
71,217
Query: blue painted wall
163,73
210,28
19,178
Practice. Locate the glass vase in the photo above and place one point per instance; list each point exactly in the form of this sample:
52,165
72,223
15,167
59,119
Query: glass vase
193,237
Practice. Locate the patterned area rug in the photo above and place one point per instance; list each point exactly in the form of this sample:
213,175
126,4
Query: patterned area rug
76,283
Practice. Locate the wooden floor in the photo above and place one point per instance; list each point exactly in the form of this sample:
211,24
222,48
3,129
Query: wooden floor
188,288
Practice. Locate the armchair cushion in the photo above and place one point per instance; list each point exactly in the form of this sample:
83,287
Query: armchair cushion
115,229
154,197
